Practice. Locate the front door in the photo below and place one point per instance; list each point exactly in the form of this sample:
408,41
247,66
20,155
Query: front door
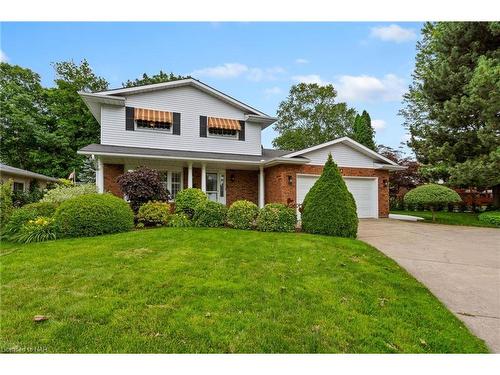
216,186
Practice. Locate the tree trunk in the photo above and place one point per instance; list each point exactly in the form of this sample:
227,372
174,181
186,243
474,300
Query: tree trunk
433,214
496,196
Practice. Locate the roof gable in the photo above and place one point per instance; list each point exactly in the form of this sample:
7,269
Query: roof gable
348,142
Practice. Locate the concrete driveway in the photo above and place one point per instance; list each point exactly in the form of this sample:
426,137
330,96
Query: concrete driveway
459,265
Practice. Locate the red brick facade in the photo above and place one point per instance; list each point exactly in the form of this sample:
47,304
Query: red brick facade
111,173
279,189
242,184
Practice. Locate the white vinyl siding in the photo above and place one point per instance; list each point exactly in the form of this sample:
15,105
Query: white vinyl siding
191,103
364,191
342,154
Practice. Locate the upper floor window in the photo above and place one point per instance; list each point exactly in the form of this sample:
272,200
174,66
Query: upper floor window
153,125
223,127
153,120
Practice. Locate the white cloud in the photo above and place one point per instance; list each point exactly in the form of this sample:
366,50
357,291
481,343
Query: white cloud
310,78
369,88
378,124
301,61
393,33
266,74
227,70
234,70
3,56
273,91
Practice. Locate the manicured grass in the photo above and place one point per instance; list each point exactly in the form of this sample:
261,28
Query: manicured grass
218,290
450,218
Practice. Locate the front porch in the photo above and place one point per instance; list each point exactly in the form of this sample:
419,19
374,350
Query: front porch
223,182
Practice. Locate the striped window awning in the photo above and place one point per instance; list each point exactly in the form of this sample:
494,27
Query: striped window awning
152,115
223,123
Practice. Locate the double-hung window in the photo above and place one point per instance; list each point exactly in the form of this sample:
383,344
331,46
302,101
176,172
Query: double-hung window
18,186
172,181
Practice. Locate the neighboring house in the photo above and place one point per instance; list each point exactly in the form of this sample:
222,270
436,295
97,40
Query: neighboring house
22,179
200,137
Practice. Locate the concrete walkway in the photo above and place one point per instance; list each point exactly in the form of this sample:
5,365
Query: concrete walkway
460,265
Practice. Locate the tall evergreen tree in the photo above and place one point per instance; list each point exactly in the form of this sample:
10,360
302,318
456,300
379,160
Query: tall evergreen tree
363,132
452,106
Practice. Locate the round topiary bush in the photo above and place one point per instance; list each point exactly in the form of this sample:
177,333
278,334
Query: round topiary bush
93,215
432,196
242,214
491,217
329,208
154,214
276,217
188,199
22,215
210,214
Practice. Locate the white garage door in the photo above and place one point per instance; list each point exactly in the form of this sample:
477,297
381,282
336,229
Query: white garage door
364,191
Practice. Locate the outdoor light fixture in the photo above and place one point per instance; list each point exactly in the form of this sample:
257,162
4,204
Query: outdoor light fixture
290,180
386,183
232,178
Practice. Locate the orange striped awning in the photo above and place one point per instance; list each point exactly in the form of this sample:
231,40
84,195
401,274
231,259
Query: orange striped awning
152,115
223,123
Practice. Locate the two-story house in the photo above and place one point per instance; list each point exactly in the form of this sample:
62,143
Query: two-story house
200,137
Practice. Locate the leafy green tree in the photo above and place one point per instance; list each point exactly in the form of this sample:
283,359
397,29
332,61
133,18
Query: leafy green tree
155,78
71,121
452,106
329,208
363,132
23,117
310,115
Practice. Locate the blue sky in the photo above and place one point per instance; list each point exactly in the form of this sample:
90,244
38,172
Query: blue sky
370,64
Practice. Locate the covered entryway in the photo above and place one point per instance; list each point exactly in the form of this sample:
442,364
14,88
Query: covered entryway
363,189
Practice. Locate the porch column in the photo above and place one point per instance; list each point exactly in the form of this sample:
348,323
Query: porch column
190,174
99,175
261,186
204,178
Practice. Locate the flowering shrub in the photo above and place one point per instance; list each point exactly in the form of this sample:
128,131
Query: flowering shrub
179,220
62,193
154,214
242,214
38,230
22,215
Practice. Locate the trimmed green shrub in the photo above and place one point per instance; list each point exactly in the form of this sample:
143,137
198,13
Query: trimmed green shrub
6,204
93,215
62,193
242,214
329,208
490,217
432,196
188,199
210,214
276,217
22,215
38,230
180,220
154,214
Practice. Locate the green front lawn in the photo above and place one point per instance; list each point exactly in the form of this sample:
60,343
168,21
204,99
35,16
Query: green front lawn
451,218
218,290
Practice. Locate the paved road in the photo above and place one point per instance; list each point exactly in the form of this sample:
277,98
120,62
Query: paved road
460,265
